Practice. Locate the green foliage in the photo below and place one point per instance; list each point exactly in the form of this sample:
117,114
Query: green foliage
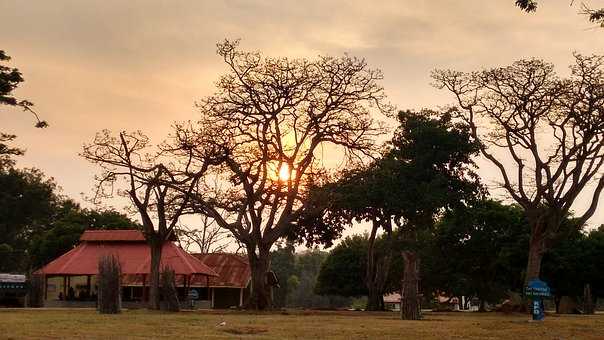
574,262
37,224
343,271
283,262
66,229
479,250
10,78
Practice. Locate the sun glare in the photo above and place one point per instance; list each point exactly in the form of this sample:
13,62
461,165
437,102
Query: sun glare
284,172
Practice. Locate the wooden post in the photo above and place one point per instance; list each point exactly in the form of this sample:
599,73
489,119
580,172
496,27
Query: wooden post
208,286
89,286
241,297
144,288
45,287
212,304
64,287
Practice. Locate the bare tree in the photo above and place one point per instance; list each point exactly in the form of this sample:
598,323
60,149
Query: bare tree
544,134
275,115
150,180
209,237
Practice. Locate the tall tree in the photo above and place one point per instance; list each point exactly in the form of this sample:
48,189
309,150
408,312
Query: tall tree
544,134
431,157
275,116
363,194
149,178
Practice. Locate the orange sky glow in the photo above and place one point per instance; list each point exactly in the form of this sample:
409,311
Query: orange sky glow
141,65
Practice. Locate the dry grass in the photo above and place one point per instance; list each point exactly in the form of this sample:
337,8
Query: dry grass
140,324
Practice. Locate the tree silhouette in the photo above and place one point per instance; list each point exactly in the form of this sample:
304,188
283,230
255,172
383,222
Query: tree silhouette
552,131
274,116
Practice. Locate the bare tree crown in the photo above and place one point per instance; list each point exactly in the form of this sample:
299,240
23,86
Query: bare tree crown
273,115
551,127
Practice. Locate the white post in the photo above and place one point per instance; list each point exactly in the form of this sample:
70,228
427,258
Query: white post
212,298
240,297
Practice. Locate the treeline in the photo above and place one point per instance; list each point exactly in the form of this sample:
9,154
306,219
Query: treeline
477,251
37,223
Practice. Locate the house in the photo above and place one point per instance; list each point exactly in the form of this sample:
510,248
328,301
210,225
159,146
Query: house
70,280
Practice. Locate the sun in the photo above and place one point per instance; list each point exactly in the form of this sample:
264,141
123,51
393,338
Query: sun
284,172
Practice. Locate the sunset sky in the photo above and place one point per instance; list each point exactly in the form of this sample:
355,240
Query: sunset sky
141,65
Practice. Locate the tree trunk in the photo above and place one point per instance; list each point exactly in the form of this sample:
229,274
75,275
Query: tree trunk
536,250
371,281
154,288
261,292
410,299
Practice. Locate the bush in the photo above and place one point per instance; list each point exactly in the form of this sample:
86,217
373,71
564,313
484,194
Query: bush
35,294
109,285
168,289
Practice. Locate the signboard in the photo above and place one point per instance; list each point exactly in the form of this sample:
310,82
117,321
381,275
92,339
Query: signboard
193,294
537,290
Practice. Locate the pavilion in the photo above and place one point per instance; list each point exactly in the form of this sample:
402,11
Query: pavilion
70,279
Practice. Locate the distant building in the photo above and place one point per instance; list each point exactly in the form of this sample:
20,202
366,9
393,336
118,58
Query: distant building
392,302
70,280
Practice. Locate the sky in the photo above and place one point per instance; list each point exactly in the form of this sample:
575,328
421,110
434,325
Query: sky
141,65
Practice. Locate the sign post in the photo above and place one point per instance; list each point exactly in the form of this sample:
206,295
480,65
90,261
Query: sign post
536,290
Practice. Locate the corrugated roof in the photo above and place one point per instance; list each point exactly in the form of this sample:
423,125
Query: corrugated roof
233,270
120,235
112,235
134,257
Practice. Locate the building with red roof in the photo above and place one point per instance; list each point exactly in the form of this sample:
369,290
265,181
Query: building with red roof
230,287
70,278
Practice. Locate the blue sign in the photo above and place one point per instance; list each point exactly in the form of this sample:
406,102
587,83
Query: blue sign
193,294
537,290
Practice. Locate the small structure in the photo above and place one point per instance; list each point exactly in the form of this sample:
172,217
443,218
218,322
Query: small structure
70,279
392,302
13,289
231,287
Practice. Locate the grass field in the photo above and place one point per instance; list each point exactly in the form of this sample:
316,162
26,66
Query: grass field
142,324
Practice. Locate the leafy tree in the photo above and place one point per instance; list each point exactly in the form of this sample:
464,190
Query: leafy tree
551,131
37,224
362,194
343,271
576,261
66,228
283,264
27,205
273,116
477,250
431,161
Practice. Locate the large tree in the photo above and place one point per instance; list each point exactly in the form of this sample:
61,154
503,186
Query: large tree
148,177
478,250
543,133
363,195
28,204
280,120
431,157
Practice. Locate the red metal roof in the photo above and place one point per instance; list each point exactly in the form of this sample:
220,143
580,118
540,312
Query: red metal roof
112,235
134,257
233,270
121,235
